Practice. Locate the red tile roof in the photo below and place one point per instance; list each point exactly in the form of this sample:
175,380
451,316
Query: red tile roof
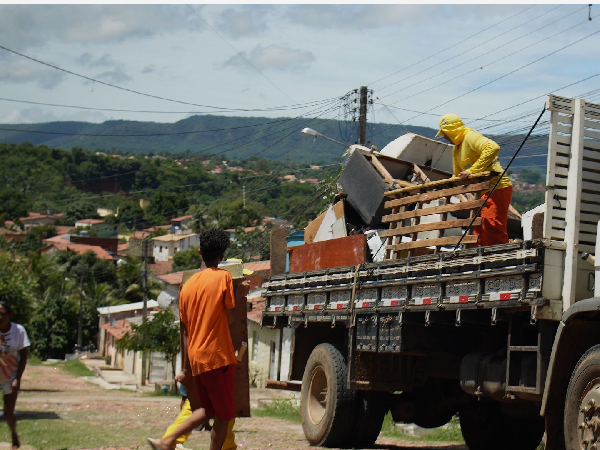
118,330
172,278
177,219
161,267
90,221
258,266
258,304
79,248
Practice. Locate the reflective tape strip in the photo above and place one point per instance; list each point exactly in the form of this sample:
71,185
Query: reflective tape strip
423,301
459,298
500,296
389,302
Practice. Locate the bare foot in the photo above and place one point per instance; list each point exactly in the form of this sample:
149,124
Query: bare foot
159,444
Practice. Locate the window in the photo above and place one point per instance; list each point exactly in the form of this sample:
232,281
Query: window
160,249
175,250
254,346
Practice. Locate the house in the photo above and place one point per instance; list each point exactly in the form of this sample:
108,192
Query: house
35,219
63,243
181,223
261,269
114,323
268,349
165,247
100,227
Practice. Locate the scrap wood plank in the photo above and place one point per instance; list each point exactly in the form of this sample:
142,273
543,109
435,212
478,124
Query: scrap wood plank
434,195
473,204
452,240
453,181
431,226
381,169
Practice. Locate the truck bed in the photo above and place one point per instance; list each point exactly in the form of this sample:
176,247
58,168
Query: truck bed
522,275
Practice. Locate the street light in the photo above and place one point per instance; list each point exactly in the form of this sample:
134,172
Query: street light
315,134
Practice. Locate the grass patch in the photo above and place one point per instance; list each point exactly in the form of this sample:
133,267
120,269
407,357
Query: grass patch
72,367
451,433
280,409
33,360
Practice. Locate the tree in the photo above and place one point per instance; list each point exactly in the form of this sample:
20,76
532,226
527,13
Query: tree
78,210
187,259
17,288
12,205
160,333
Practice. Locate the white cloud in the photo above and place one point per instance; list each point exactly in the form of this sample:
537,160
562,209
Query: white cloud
38,115
246,21
23,26
116,76
273,57
19,71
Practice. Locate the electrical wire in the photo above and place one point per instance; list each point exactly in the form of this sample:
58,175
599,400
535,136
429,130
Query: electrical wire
474,47
453,45
133,91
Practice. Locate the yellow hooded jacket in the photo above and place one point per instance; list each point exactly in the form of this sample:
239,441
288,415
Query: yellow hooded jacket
473,152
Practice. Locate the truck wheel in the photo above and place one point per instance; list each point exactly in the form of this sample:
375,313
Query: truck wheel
371,408
582,405
485,427
327,407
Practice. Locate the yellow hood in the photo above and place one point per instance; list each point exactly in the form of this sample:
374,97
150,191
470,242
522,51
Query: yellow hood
453,127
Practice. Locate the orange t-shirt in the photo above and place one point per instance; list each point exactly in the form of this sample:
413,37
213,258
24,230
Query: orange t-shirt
202,303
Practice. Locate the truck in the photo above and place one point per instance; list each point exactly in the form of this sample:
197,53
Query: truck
507,337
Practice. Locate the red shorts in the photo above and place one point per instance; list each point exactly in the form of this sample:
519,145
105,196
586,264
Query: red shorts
216,392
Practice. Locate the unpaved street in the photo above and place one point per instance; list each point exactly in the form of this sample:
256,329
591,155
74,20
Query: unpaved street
89,417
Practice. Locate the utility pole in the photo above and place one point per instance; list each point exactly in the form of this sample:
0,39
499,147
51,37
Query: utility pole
80,320
244,195
145,255
362,118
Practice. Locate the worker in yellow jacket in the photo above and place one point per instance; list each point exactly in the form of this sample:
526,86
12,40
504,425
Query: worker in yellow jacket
474,153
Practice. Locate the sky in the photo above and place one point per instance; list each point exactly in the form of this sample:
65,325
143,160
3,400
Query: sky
163,63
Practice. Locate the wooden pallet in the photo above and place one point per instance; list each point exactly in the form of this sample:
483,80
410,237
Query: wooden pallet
407,205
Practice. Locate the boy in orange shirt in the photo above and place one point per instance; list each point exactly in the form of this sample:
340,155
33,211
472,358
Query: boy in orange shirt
206,304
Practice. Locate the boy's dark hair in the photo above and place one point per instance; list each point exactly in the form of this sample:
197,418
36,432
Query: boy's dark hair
7,306
213,244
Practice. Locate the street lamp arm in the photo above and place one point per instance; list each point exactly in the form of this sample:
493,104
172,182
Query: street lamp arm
315,134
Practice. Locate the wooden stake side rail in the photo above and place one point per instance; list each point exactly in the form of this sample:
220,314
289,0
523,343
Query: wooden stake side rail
460,223
447,182
503,276
412,203
428,196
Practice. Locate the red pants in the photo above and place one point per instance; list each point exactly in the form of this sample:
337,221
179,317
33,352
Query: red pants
216,392
492,230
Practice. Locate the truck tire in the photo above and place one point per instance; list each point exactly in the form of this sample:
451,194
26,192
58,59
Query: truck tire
485,427
371,408
327,407
582,404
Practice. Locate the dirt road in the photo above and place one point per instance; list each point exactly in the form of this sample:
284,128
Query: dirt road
57,411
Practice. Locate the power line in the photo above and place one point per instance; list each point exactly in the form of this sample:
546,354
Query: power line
89,108
239,53
452,46
474,47
490,63
496,79
133,91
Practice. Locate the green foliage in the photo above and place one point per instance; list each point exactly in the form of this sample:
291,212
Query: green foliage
187,259
80,210
160,333
450,433
533,175
167,204
284,409
248,245
12,204
524,202
74,367
17,287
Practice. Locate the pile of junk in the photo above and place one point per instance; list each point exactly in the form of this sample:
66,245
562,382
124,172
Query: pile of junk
395,203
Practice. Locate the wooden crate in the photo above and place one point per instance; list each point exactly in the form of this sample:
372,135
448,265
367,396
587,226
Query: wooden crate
410,205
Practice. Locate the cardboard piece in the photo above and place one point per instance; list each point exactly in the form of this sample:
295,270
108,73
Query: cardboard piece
314,228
